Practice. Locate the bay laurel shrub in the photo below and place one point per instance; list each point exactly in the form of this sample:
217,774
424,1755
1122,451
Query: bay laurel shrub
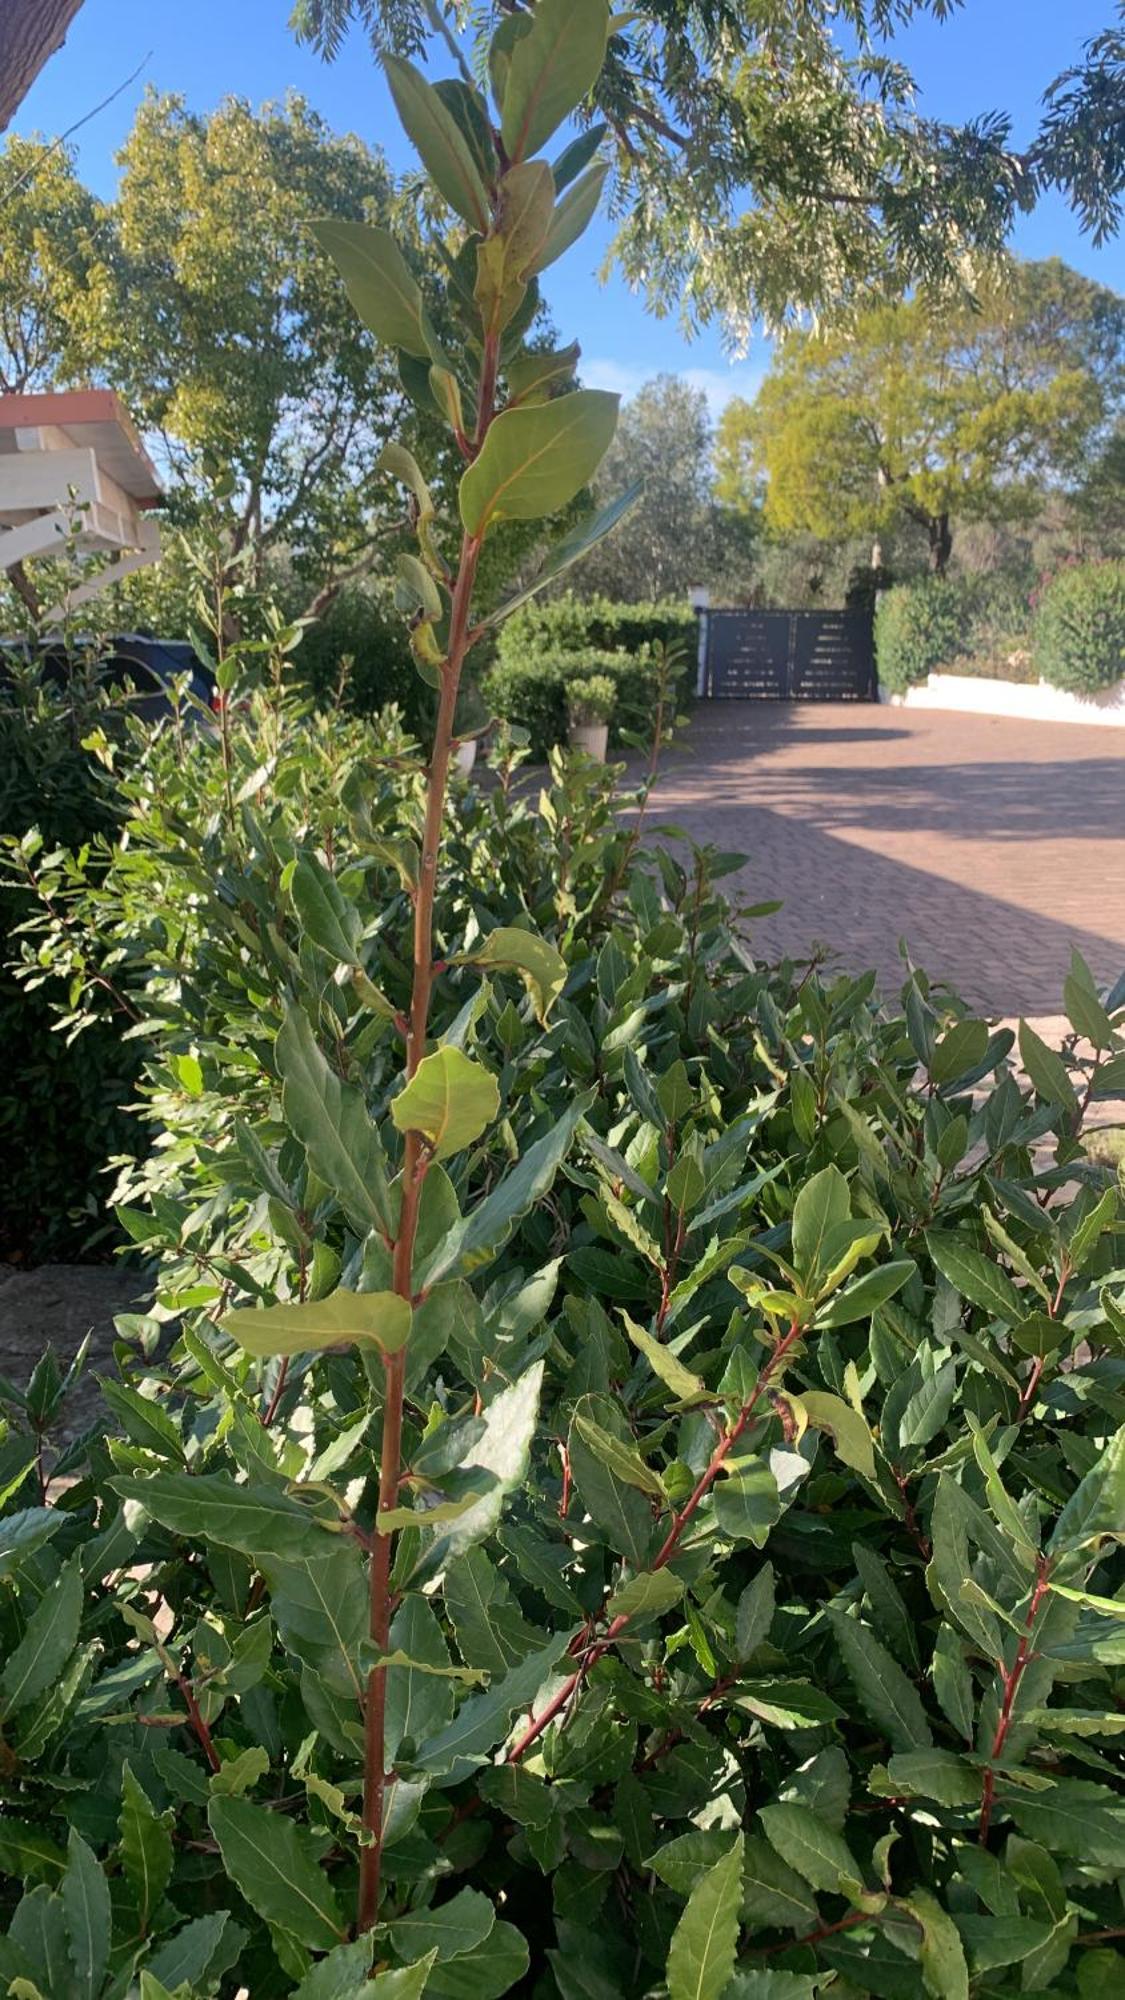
1079,637
977,624
629,1499
591,701
759,1613
923,628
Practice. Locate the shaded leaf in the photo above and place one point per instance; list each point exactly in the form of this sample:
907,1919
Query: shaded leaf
807,1845
146,1848
578,542
572,217
1047,1070
485,1719
975,1276
1097,1507
866,1294
85,1900
889,1698
480,1237
845,1426
48,1642
331,1121
275,1864
379,282
822,1204
437,137
448,1929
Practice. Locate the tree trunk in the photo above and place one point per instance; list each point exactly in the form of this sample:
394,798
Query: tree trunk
30,31
941,543
25,590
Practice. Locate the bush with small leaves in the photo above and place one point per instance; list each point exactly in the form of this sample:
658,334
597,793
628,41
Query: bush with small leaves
923,628
590,701
535,691
1079,632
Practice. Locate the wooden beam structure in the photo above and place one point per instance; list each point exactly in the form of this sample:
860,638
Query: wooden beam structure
73,470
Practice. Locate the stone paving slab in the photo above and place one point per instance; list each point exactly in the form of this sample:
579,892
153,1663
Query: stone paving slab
991,846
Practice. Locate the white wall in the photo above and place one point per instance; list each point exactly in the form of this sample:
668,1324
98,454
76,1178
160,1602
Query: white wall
1037,702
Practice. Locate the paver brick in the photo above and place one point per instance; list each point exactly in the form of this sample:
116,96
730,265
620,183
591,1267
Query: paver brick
990,846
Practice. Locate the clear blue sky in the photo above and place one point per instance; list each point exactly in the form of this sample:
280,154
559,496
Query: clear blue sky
994,54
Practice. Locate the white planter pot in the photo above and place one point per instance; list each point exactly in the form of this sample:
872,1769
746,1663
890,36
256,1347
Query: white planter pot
592,737
465,756
1035,701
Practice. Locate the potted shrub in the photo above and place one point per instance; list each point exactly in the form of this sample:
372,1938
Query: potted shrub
589,707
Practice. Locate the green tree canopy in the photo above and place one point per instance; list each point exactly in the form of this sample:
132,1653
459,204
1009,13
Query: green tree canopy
239,348
675,537
770,158
57,270
932,417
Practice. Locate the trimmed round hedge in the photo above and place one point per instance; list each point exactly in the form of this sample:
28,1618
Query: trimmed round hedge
1079,638
535,690
920,628
547,646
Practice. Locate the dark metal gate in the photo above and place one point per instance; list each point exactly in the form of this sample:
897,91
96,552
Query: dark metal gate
787,656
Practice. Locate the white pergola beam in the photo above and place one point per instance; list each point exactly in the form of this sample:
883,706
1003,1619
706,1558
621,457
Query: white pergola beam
124,565
44,536
32,479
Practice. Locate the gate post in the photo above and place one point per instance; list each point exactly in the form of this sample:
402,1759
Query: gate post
700,601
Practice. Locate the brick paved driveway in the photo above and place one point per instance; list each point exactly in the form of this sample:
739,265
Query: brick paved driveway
991,846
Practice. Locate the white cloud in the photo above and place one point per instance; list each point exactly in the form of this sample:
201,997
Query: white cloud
719,385
617,376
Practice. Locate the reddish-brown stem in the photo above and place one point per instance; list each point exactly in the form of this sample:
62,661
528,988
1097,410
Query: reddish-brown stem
1029,1388
668,1274
270,1411
910,1516
415,1162
197,1722
668,1549
724,1447
817,1937
1010,1681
